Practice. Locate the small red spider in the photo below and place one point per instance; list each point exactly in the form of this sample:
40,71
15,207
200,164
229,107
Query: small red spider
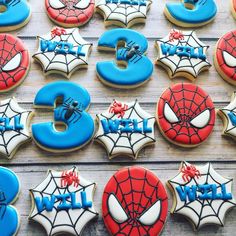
69,178
118,109
58,32
190,172
176,35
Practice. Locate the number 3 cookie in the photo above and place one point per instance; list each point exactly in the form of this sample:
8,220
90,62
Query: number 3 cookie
72,112
138,67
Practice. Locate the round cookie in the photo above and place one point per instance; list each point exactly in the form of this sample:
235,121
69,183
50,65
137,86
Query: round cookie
14,63
70,13
9,191
125,129
225,57
63,203
134,203
185,115
182,54
123,13
201,195
191,13
14,14
233,8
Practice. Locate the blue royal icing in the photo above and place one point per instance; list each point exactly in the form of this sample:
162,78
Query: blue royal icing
203,11
9,189
139,67
131,2
72,112
232,118
18,11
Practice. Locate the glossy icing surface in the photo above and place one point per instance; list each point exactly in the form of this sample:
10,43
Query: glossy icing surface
14,63
139,68
192,11
182,52
9,222
202,195
125,128
134,203
63,202
17,12
123,13
72,112
70,13
62,51
226,55
186,114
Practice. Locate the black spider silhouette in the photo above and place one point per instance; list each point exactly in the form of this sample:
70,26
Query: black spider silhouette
131,52
3,205
71,110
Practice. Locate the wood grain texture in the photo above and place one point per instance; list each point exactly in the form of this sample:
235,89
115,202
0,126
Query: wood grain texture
31,163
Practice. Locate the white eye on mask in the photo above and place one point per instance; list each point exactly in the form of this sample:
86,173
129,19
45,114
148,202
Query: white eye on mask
13,63
201,120
170,115
82,4
229,59
57,4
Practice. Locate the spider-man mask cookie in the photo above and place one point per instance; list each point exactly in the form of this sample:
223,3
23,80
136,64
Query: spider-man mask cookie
14,62
185,115
225,57
134,203
70,13
63,202
201,195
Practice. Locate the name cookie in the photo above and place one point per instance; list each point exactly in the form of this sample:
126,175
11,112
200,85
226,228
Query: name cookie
201,195
63,202
62,51
72,13
123,13
182,54
191,13
14,63
125,128
134,203
185,115
225,57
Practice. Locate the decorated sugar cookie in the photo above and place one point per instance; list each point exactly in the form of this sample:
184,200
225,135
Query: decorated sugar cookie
123,13
185,115
228,116
191,13
138,68
14,129
233,8
125,128
201,195
71,111
9,191
182,54
14,14
225,57
62,51
134,203
72,13
63,202
14,63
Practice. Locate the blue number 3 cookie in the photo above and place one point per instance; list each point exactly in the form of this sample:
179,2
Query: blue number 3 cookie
72,113
9,190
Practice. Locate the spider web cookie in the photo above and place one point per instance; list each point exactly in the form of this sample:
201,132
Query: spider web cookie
182,54
123,13
63,202
62,51
125,128
201,195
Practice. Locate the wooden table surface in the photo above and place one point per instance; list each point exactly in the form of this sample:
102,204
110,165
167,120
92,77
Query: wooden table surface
31,163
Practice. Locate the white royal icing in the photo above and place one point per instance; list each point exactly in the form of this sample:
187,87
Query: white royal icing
13,63
56,4
202,119
229,59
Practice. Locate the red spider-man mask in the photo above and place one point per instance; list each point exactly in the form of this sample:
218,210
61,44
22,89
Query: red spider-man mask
14,62
70,13
226,55
134,203
186,114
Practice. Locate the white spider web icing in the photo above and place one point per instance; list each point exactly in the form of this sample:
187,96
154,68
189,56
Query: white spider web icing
203,212
67,63
67,221
177,64
126,143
